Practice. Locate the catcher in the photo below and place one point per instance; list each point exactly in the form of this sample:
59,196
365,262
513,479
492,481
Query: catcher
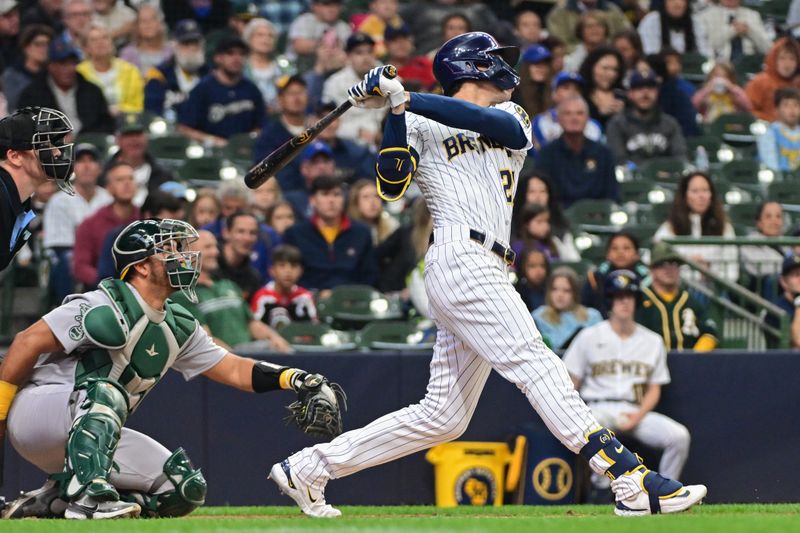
84,367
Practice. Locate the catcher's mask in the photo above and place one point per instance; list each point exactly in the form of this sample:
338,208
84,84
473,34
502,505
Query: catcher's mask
43,130
167,240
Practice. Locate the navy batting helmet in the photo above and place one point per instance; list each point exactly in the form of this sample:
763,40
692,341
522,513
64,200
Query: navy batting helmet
475,56
621,282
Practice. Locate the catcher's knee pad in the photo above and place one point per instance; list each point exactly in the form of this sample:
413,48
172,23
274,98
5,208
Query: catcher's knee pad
188,494
93,440
603,442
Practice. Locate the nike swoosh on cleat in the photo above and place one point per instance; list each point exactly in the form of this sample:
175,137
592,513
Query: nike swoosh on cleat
288,472
619,450
310,497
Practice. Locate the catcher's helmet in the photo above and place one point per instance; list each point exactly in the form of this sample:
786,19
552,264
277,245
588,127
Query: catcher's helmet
166,239
476,56
621,282
44,131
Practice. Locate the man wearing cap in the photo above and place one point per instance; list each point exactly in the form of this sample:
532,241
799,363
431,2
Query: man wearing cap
578,167
64,213
224,103
670,310
9,30
315,161
168,84
641,130
32,151
63,88
362,124
789,298
352,160
321,22
545,125
133,140
416,71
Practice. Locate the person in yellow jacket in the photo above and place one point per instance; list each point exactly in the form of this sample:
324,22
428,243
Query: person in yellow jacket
121,82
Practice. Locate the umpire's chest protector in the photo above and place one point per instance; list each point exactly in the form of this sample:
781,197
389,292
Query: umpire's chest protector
130,347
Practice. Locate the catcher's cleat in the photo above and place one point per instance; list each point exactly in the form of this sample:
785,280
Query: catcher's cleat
88,508
39,503
310,501
643,492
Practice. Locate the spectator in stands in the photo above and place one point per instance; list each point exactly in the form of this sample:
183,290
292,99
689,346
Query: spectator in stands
223,103
780,70
9,31
416,71
363,124
535,187
763,262
533,270
383,14
91,233
670,310
149,46
779,146
558,50
629,45
47,12
733,31
281,301
205,208
66,90
336,250
209,15
280,216
545,125
239,237
353,161
673,25
619,367
536,77
401,257
292,101
315,161
720,94
697,211
642,130
263,197
117,18
527,26
562,21
77,15
133,140
536,233
365,206
454,24
34,43
238,17
321,23
168,85
789,298
121,82
581,167
603,72
64,213
261,69
673,97
220,308
622,253
562,316
592,31
673,61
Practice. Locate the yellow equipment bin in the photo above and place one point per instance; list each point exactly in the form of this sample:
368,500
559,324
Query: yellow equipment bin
470,473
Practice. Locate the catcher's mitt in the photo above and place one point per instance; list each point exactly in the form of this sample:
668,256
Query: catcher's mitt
319,405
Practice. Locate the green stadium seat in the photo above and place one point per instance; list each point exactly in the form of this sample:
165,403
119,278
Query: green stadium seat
202,169
662,169
785,192
742,171
735,129
744,214
695,67
748,66
654,214
391,335
643,232
169,147
643,192
352,306
240,149
709,142
310,337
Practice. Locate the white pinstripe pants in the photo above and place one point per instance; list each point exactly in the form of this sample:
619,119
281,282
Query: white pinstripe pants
482,325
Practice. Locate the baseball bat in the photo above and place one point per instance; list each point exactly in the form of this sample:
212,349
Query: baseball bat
282,155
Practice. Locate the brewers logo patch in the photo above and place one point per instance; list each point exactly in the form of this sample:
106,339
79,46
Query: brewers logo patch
476,486
552,478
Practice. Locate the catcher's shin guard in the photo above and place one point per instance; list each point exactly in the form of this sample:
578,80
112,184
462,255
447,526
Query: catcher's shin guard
188,494
93,440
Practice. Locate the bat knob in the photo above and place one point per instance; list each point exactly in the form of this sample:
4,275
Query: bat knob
389,72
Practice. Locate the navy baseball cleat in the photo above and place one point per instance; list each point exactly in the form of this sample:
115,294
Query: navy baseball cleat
310,501
642,492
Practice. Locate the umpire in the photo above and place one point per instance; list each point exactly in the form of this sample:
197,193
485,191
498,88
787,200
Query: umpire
33,150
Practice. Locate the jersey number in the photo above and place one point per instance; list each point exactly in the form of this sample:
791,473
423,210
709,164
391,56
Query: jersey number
507,180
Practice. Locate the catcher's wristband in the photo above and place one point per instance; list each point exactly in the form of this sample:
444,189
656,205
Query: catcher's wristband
268,377
7,393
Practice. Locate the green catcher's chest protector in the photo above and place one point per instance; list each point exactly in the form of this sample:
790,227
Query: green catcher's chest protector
130,348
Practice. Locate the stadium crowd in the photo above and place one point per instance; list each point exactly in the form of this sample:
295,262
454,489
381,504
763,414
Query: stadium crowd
172,101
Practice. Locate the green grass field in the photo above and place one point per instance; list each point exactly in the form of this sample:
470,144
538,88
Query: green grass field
579,519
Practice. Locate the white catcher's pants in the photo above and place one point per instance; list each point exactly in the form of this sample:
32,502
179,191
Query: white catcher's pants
655,430
482,325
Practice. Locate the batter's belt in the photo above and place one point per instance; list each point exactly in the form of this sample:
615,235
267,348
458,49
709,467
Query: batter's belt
506,254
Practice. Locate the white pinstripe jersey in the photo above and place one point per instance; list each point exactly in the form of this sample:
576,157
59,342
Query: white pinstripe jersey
467,179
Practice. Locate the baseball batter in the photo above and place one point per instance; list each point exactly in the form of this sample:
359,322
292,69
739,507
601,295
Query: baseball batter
85,367
466,150
619,367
